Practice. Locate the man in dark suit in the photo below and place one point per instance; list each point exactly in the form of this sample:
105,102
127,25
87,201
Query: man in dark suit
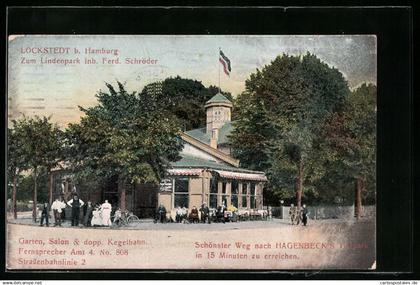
75,205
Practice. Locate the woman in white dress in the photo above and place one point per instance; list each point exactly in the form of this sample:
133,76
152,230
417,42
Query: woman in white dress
106,213
96,217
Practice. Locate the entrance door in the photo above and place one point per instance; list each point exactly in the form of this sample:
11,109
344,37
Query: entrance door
145,199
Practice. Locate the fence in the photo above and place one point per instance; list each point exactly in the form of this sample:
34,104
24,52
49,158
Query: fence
20,206
326,212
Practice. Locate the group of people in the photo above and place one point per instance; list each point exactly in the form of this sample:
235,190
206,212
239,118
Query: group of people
92,215
298,215
182,215
58,207
195,214
100,214
203,215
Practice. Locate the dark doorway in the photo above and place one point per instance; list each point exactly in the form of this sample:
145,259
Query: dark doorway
143,200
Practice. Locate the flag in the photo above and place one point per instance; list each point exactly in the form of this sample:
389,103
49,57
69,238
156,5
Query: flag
225,62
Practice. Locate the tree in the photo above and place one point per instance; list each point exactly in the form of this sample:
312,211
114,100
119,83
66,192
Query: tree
25,187
295,96
128,135
351,137
188,98
252,130
37,146
15,159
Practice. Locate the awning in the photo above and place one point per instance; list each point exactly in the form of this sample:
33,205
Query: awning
222,173
242,175
185,171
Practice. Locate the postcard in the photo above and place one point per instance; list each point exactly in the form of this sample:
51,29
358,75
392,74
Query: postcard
191,152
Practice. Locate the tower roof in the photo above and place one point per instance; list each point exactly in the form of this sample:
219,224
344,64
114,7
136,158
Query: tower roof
219,98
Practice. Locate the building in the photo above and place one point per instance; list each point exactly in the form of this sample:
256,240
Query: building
205,173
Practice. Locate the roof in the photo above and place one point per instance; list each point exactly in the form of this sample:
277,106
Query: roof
210,150
188,161
201,135
219,98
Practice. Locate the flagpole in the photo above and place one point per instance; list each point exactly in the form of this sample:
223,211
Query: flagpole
219,68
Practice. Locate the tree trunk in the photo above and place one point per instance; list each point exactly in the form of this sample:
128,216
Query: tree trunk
121,193
358,187
35,194
50,188
299,184
66,190
14,202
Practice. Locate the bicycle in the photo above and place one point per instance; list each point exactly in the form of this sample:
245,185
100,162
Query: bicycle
124,218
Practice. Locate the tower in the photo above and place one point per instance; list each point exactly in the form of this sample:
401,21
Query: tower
218,112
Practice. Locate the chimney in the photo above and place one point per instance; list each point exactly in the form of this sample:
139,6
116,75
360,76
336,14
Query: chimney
214,138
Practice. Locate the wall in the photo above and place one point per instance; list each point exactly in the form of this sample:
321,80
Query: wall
165,199
214,120
193,151
195,186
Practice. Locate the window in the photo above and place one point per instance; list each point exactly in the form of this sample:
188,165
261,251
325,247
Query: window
244,194
213,193
224,197
181,185
244,204
181,198
213,201
217,115
234,197
252,196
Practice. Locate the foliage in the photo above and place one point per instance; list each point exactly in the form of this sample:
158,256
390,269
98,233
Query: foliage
127,134
16,158
34,143
252,130
26,187
293,97
188,98
350,136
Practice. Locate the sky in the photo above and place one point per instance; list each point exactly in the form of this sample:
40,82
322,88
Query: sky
39,86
